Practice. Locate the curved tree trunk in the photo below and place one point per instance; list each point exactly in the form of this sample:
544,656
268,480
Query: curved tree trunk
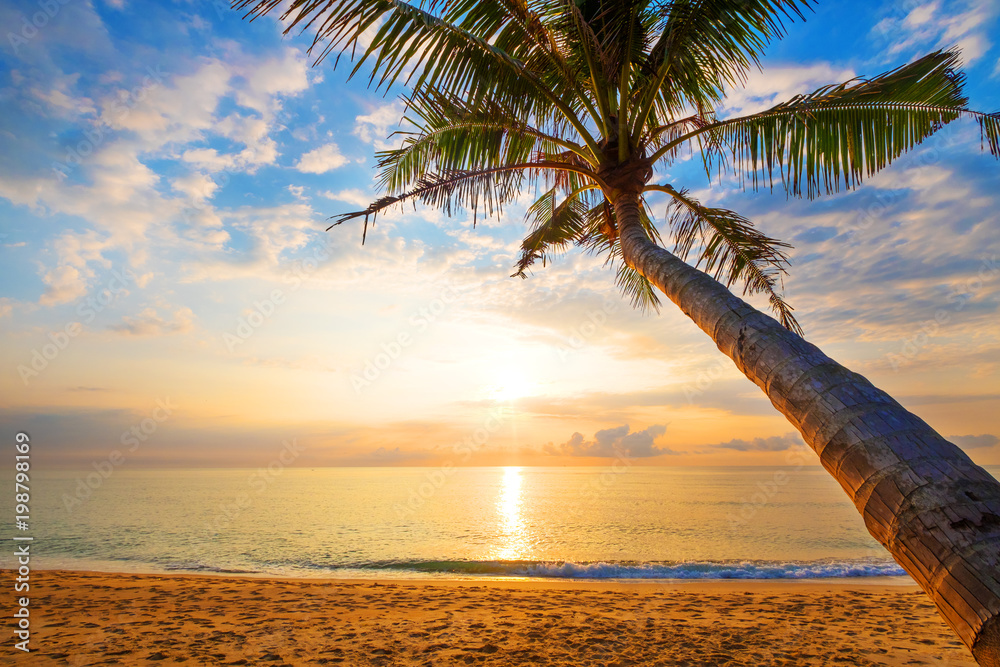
921,497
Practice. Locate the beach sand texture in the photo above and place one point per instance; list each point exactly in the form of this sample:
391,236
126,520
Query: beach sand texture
81,618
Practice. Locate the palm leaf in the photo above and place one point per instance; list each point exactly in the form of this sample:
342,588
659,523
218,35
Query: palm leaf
704,46
835,137
469,189
553,227
453,135
731,249
601,238
453,50
636,288
588,221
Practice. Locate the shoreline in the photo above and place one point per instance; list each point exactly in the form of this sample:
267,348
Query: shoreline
86,617
892,582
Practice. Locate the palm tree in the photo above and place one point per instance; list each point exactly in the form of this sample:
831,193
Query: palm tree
588,98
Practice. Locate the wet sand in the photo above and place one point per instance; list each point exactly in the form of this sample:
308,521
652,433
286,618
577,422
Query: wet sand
89,618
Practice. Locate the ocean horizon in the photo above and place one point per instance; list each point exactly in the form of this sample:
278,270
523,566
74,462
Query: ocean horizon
618,523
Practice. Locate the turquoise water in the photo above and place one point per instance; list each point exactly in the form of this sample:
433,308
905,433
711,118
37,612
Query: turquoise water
600,523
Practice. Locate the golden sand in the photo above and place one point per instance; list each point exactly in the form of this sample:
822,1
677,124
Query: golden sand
86,618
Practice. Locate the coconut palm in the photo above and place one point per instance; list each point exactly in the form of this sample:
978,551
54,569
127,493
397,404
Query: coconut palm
589,99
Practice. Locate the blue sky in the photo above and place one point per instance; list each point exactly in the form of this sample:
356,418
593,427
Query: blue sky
168,170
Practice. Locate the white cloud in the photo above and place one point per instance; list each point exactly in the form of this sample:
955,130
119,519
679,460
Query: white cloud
972,46
63,284
778,84
59,98
208,158
321,160
160,111
961,23
198,187
252,132
614,442
921,14
149,323
152,115
974,441
67,281
777,443
375,127
353,196
268,79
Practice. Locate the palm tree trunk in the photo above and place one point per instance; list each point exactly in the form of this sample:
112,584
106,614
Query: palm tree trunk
921,497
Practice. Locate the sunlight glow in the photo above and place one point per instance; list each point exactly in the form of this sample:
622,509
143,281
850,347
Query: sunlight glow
510,387
513,536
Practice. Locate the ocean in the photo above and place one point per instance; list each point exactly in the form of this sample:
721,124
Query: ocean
625,523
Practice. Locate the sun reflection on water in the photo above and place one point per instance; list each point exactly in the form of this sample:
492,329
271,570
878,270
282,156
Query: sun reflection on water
512,534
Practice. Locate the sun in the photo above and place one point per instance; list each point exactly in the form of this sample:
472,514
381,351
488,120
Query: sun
509,387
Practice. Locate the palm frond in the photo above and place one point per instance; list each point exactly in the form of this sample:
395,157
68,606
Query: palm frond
452,135
731,249
469,189
586,220
636,288
704,46
448,46
554,227
584,53
601,238
838,135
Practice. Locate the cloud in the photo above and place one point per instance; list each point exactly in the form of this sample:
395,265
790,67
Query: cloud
268,79
321,160
149,323
67,281
614,442
777,443
160,111
962,23
60,100
258,147
778,84
354,196
974,441
374,128
198,187
62,285
389,455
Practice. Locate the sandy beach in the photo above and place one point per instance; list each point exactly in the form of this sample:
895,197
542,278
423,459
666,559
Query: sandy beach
87,618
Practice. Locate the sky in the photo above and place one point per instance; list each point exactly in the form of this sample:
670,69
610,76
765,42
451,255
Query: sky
170,297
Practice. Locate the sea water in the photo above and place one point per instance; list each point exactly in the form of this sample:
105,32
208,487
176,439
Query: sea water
569,522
